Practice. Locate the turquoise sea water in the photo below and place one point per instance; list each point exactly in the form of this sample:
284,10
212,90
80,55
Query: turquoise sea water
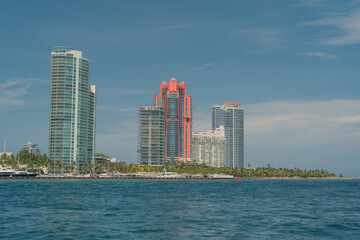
179,209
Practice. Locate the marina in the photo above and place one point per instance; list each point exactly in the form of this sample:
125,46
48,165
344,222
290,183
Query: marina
7,173
115,177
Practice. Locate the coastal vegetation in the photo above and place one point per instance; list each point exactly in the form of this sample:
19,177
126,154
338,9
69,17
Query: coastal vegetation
101,155
26,160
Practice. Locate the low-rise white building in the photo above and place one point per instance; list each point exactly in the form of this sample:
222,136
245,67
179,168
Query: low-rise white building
30,147
209,147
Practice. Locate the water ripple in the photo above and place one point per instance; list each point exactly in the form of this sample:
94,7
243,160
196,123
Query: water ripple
150,209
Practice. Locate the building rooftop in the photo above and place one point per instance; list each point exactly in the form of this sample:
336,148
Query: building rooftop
63,49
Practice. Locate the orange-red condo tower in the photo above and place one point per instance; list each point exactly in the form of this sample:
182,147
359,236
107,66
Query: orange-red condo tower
178,126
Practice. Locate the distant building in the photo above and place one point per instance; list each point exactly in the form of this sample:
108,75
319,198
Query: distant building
178,115
231,116
30,147
72,108
151,136
209,147
102,159
115,160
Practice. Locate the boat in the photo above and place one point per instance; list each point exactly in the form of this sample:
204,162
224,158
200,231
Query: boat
168,175
220,176
6,172
20,173
10,172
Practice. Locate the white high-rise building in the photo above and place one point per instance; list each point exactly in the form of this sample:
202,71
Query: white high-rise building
209,147
72,108
31,147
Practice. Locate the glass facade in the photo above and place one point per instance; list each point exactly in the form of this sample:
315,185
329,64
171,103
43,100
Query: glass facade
151,136
30,147
72,108
217,117
231,116
178,125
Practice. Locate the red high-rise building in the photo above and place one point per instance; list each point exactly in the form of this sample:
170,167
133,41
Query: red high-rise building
178,127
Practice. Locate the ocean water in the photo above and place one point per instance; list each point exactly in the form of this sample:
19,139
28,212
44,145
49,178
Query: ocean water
179,209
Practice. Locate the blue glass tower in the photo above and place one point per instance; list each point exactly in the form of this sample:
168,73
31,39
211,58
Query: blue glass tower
72,108
231,116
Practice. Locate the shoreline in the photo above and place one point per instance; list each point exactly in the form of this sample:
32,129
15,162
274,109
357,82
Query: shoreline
192,178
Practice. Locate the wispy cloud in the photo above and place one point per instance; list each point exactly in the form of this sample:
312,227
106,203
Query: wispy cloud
203,67
202,120
124,91
112,108
187,26
311,3
347,119
119,140
347,28
297,133
318,55
262,37
299,115
13,90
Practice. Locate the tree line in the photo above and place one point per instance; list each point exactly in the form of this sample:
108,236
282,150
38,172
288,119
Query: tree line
27,160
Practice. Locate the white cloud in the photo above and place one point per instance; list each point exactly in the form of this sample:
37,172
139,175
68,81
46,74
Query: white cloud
348,119
311,3
314,134
187,26
347,26
317,54
112,108
13,90
119,140
124,91
203,67
263,37
312,115
202,120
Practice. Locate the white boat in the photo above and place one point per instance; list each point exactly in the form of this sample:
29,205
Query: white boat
169,175
6,172
19,173
9,172
220,176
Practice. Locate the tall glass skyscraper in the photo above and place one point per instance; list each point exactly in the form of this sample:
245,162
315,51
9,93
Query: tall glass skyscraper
178,126
72,108
151,136
231,116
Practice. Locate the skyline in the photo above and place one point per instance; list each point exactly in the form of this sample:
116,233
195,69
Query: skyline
292,65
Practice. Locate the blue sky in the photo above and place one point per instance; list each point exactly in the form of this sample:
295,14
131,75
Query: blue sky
294,66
